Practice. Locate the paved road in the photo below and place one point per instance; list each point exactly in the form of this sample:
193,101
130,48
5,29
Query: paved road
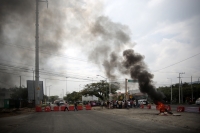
91,121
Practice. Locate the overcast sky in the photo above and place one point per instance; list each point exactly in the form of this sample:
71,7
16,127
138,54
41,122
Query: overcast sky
76,37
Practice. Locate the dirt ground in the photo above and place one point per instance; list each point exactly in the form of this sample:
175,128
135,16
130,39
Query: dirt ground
185,120
14,112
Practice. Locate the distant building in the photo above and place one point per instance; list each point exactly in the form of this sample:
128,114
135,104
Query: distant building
134,91
90,98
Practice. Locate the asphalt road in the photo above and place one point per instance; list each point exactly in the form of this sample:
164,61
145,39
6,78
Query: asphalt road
90,121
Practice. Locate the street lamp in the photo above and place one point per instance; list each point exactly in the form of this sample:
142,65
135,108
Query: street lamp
79,87
179,86
66,86
63,93
49,89
171,89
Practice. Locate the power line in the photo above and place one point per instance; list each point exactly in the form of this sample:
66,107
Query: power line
177,62
25,69
48,53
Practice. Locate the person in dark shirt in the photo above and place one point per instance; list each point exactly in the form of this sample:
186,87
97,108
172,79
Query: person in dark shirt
75,106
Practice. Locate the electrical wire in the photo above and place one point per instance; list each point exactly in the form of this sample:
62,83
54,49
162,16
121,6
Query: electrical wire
47,52
177,62
73,58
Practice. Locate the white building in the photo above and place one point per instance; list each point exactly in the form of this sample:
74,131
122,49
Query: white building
90,98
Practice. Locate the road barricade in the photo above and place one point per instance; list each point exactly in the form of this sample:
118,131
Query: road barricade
192,109
62,108
56,108
38,109
88,107
79,107
149,106
157,107
141,106
71,108
47,109
180,109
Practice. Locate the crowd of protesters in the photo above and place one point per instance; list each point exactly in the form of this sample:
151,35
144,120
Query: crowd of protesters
121,104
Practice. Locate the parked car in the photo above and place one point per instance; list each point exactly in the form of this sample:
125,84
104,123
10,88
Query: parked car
143,101
197,101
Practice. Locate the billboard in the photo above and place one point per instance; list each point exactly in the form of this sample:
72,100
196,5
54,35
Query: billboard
31,89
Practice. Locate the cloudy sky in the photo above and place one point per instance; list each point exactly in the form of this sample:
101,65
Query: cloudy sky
79,37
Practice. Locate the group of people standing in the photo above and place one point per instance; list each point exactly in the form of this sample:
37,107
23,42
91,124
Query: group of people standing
119,104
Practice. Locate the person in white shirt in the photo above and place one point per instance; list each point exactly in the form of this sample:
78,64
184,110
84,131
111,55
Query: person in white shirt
66,106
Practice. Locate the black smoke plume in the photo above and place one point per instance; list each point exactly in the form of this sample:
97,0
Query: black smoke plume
114,38
138,70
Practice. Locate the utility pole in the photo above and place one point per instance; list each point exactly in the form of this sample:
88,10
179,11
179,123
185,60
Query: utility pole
181,92
109,91
37,88
171,89
63,93
192,88
125,89
179,87
66,86
20,82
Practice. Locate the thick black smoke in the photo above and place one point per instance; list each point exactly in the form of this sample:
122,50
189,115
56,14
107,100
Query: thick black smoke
138,70
112,39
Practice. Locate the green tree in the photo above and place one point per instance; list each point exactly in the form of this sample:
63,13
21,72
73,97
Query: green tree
45,97
53,98
72,97
187,92
100,89
19,93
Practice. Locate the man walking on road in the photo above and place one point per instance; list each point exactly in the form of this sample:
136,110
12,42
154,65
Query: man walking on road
66,106
75,106
102,104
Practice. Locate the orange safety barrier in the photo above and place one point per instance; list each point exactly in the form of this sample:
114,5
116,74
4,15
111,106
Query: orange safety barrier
47,109
148,106
56,108
141,106
80,107
180,109
88,107
71,108
157,107
62,108
38,109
